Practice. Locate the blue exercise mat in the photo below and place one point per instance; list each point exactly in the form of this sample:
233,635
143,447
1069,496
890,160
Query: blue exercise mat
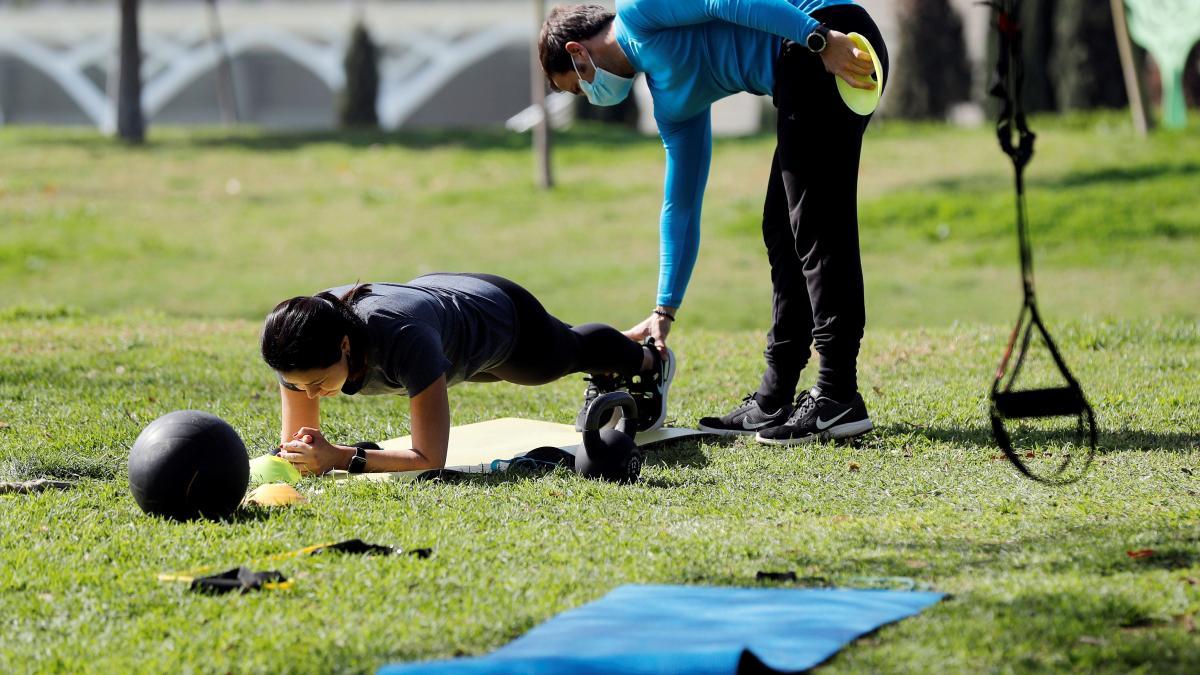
692,629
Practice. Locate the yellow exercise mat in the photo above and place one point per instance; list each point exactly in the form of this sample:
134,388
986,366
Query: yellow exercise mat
475,448
863,101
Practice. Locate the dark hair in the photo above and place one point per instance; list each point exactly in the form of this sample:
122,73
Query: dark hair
305,332
568,23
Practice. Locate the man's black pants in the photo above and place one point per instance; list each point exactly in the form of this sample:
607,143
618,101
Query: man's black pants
810,220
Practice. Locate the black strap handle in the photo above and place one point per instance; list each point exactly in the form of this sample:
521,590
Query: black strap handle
1033,403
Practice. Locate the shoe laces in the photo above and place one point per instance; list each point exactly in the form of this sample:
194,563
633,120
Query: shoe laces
804,403
747,401
600,384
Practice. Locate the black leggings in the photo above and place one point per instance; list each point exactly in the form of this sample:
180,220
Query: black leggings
810,220
546,349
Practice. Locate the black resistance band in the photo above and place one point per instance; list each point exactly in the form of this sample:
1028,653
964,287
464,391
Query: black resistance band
1006,404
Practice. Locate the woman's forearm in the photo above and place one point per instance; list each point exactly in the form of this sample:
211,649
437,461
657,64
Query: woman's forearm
297,411
387,461
429,415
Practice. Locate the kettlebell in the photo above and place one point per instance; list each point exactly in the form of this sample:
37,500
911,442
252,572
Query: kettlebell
609,451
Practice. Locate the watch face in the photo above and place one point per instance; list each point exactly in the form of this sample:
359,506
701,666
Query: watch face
816,42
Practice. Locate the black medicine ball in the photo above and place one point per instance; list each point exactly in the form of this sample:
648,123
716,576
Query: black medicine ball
188,464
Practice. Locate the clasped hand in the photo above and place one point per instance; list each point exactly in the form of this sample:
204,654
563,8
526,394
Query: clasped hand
310,453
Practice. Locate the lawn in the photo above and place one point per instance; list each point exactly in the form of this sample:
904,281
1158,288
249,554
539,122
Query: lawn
134,280
224,225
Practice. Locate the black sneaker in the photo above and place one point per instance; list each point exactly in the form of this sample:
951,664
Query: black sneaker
649,389
597,385
817,417
745,420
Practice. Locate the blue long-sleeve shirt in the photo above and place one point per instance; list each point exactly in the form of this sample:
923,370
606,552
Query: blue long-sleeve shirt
695,52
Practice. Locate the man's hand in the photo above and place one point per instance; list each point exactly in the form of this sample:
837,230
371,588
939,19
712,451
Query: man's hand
844,59
656,326
310,453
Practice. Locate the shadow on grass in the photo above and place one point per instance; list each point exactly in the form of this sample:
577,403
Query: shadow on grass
243,514
1073,631
1062,550
1130,174
61,465
359,139
580,135
681,453
1110,440
1098,629
249,514
975,183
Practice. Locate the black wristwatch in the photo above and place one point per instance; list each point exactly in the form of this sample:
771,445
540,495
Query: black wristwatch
818,40
358,463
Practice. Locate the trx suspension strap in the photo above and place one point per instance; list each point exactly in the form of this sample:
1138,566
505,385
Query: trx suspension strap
1006,404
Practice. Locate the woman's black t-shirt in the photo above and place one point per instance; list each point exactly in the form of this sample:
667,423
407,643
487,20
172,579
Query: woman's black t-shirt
439,324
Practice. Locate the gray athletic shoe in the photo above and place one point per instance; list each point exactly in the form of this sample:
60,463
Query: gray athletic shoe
746,419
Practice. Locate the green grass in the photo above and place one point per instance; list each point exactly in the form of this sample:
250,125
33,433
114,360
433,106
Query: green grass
1039,576
87,223
134,280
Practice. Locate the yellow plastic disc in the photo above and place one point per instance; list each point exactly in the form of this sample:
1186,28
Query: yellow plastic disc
272,469
863,101
274,494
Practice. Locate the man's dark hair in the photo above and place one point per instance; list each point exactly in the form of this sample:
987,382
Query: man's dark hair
568,23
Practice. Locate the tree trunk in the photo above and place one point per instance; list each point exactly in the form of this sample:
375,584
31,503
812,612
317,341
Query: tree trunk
131,124
543,172
934,74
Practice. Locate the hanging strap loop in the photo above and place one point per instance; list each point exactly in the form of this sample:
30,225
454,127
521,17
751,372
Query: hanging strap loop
1017,141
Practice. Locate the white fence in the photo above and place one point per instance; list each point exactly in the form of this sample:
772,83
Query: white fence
444,63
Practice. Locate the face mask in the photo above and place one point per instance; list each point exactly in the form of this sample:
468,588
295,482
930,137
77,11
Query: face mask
606,88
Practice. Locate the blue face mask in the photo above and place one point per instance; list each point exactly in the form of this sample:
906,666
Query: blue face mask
606,88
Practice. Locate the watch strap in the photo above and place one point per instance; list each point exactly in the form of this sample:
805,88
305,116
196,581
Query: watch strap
358,463
821,33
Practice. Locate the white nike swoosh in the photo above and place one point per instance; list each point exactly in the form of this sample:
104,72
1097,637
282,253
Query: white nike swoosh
754,426
822,425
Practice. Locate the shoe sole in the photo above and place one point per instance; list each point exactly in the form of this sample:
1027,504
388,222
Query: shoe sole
837,433
662,414
726,432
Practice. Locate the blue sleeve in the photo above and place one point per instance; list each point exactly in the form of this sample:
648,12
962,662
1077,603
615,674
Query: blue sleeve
778,17
689,152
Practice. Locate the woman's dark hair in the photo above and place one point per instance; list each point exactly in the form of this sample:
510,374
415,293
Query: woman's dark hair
568,23
305,332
